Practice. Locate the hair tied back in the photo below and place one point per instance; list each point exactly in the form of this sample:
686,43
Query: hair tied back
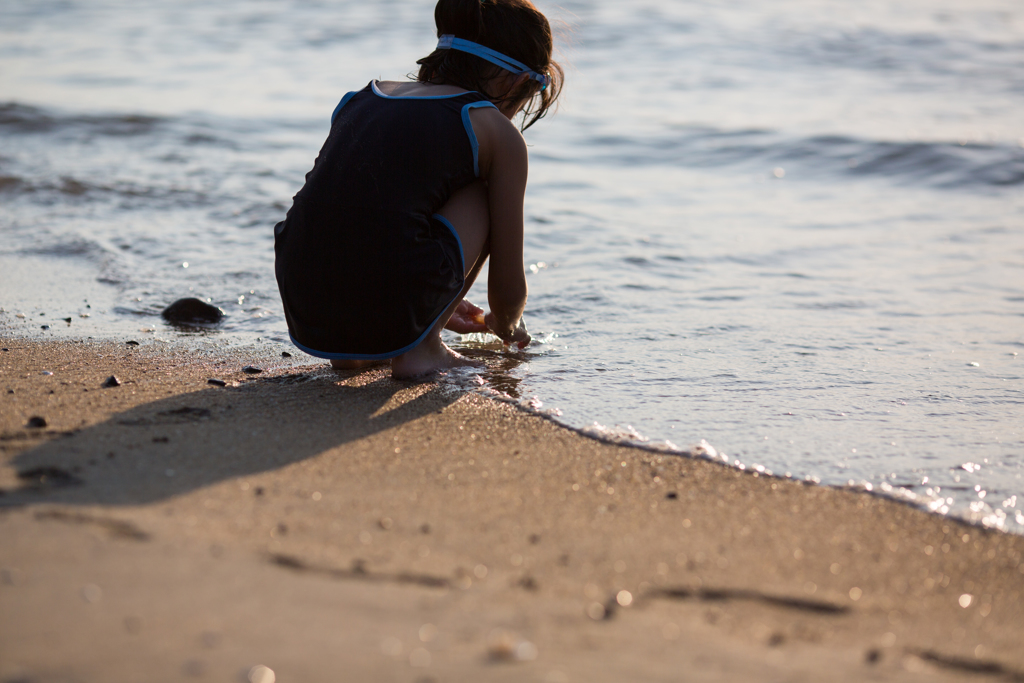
474,43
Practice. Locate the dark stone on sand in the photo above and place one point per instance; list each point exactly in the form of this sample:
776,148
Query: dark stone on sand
192,311
48,475
67,320
216,382
284,354
45,327
36,422
131,343
111,382
6,349
671,495
251,370
529,583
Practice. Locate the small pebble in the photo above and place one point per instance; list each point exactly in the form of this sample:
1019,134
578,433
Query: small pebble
193,668
507,647
216,382
261,674
46,372
45,327
131,343
974,365
284,354
251,370
92,593
111,382
6,349
36,422
67,320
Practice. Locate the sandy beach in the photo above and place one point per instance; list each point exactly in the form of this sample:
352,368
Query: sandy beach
346,526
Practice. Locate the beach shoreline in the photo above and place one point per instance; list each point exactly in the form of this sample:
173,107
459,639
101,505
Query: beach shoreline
317,522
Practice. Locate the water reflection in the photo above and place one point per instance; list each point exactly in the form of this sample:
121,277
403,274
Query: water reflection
499,360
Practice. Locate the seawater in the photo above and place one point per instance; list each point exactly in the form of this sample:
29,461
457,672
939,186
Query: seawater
794,230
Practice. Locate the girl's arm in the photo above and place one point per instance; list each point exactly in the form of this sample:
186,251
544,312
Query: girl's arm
504,165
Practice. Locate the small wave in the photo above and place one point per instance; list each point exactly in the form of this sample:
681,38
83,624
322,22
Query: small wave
11,184
834,305
75,246
991,62
68,188
937,163
260,214
978,513
23,119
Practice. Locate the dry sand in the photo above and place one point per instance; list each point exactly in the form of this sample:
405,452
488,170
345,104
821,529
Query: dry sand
348,527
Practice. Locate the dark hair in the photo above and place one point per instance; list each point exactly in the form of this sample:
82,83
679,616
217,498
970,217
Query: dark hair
512,27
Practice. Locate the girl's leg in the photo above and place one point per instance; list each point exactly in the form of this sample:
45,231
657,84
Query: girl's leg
468,212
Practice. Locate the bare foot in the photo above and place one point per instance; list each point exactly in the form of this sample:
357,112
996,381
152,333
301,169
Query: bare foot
430,356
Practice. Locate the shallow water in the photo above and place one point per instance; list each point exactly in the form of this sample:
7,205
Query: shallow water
795,231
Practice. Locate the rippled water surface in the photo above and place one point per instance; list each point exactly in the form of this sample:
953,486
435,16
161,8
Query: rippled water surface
793,229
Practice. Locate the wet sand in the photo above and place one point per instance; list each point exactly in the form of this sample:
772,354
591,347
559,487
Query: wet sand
345,526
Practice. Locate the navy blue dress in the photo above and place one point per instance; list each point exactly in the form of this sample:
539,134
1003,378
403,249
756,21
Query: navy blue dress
364,263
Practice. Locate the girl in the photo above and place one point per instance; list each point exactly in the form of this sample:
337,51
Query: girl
417,184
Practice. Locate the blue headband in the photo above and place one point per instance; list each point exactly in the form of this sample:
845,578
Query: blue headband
450,42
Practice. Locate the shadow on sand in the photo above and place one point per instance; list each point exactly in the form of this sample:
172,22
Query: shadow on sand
187,441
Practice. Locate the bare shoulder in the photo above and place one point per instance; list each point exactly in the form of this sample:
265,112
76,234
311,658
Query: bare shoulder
416,89
498,138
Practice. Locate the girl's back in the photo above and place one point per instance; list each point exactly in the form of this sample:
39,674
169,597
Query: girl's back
417,185
407,153
365,221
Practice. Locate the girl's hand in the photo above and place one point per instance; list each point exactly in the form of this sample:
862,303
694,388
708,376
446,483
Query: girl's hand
467,318
519,336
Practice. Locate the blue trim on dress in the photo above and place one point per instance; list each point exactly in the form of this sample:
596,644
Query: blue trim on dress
377,92
361,356
405,349
447,224
344,100
472,134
